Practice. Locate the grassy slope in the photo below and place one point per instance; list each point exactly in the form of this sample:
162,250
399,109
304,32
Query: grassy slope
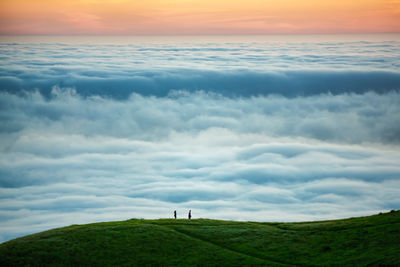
371,240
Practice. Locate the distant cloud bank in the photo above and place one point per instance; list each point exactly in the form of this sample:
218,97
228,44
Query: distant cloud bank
229,83
233,69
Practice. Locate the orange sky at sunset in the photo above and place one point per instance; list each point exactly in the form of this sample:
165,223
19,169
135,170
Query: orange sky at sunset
121,17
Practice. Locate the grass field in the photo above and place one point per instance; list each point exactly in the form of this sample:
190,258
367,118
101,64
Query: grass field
372,240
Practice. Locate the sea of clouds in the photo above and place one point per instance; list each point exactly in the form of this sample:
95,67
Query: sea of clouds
249,129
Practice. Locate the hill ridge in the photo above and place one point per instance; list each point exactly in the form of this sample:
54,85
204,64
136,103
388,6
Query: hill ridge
370,240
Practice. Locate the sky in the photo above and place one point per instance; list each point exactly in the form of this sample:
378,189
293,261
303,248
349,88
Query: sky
261,128
153,17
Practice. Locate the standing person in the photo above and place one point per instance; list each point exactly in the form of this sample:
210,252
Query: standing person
175,214
190,214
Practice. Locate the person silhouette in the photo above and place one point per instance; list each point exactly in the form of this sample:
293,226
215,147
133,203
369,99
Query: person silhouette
175,214
190,214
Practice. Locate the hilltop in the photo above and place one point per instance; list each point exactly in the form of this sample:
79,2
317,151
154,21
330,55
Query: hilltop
372,240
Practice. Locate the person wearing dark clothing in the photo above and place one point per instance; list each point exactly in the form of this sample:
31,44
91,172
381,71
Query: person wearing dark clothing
175,214
190,214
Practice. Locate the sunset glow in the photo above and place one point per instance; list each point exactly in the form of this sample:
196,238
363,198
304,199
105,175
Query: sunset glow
198,16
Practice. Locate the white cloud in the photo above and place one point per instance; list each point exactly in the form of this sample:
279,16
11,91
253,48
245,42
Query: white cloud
74,160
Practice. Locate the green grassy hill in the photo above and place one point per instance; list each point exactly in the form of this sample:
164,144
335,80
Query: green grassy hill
373,240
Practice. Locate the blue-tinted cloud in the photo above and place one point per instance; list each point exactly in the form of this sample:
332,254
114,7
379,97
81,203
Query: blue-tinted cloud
346,118
229,83
234,69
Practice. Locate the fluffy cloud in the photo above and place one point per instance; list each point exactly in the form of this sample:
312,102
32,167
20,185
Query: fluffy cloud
346,118
72,159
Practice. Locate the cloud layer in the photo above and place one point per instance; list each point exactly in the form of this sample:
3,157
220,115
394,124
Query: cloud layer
268,131
71,159
231,67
